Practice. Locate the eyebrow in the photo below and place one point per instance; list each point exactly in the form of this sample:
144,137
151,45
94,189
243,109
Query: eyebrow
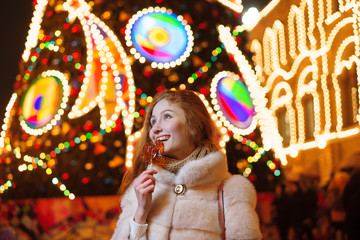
162,112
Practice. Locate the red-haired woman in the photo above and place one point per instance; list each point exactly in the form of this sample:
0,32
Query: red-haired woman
180,199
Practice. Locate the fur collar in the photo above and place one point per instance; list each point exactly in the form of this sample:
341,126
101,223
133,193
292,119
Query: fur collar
209,169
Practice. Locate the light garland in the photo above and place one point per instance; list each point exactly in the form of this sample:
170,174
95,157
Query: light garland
36,20
47,162
76,9
206,66
224,137
310,66
6,121
259,152
111,61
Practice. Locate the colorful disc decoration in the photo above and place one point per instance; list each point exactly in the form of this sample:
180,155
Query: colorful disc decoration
43,102
233,103
160,36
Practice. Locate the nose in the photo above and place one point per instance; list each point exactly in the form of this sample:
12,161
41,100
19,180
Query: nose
156,129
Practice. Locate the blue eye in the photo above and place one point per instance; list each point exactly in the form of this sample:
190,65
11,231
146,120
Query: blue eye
152,122
167,116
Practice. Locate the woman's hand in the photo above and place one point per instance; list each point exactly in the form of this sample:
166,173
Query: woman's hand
144,186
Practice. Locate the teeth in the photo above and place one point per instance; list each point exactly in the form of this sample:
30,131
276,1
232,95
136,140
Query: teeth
163,138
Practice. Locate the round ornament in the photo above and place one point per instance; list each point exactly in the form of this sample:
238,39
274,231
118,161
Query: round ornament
233,102
160,36
43,102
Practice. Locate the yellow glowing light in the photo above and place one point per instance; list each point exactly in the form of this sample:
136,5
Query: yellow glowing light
6,122
235,5
32,38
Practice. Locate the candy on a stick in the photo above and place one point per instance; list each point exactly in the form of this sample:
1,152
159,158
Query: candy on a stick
152,152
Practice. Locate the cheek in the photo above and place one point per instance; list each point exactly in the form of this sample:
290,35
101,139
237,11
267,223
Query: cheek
176,128
183,132
151,135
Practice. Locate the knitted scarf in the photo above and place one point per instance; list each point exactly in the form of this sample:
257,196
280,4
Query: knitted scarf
174,165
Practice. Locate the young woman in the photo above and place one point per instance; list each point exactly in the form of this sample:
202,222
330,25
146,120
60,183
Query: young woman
180,200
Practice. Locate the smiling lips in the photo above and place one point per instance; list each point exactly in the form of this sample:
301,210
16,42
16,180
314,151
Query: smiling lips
162,138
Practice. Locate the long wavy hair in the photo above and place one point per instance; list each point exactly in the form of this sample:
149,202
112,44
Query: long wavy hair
198,123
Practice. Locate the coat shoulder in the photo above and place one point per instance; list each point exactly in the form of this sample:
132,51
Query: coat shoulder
238,188
241,219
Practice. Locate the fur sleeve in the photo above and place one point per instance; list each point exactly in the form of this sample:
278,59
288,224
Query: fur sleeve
122,230
241,220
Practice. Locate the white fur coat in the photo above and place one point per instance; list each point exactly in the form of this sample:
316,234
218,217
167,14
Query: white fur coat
194,215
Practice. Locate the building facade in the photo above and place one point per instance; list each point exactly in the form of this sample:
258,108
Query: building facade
306,56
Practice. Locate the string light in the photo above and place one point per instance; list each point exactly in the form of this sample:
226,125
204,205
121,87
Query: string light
205,68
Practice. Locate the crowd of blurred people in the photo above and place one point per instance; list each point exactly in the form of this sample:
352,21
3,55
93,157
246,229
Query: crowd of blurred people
304,211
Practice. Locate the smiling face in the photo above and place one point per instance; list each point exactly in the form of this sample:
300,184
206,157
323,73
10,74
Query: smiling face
168,125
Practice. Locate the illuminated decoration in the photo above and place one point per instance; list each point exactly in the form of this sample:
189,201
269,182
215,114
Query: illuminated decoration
130,147
235,5
31,39
232,101
108,83
108,80
259,152
206,66
160,36
6,121
268,127
306,57
73,39
44,102
224,137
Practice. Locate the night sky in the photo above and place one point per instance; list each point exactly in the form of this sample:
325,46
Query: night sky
15,18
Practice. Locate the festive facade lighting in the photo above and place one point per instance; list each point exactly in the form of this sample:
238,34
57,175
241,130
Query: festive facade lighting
320,43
